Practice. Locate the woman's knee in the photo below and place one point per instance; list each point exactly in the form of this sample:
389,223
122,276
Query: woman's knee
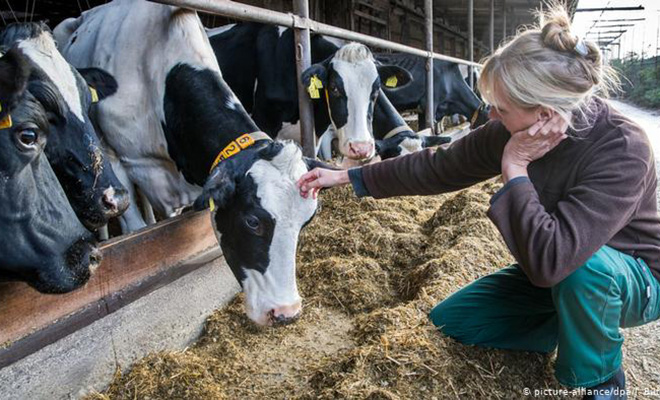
596,272
444,313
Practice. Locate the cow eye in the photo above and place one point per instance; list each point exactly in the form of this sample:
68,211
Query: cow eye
252,223
28,138
334,90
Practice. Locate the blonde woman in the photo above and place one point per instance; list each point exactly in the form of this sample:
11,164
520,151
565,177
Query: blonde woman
578,209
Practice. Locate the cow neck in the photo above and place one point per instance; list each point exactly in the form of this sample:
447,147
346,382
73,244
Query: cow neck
202,118
387,121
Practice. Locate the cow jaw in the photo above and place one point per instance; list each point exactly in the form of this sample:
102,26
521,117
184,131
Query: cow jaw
355,136
272,296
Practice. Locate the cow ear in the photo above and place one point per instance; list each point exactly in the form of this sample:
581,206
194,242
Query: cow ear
314,79
430,141
14,75
314,163
102,82
219,188
393,76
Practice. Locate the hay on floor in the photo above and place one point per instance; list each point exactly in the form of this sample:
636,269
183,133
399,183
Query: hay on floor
369,272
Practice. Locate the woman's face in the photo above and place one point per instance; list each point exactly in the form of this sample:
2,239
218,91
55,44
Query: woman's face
513,117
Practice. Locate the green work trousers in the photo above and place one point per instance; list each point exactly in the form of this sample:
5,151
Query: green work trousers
581,315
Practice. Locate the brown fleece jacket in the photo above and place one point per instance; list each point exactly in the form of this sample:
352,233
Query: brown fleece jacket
598,187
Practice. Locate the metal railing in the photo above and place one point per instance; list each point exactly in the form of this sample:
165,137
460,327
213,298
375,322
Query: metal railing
303,26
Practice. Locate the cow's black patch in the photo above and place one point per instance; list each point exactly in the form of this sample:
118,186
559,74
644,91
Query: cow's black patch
338,102
201,119
247,230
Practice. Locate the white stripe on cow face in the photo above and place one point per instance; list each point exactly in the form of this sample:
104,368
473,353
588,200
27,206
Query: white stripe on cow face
276,288
42,51
358,79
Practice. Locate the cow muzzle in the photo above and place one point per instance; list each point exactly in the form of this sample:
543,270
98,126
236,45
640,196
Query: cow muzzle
114,202
361,150
285,315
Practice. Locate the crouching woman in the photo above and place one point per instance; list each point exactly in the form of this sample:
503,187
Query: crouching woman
577,210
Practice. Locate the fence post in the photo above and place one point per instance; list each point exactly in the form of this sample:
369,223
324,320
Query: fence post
430,109
304,61
491,20
471,41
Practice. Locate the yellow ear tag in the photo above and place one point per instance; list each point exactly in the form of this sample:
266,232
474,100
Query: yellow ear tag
314,85
95,95
391,81
211,204
6,121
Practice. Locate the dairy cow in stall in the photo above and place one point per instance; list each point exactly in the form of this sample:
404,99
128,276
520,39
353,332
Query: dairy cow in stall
258,63
174,121
42,241
74,149
451,94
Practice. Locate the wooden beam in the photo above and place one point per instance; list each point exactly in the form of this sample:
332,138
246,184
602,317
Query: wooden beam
366,16
129,262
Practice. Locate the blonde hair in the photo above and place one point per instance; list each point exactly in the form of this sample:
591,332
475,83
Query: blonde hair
540,66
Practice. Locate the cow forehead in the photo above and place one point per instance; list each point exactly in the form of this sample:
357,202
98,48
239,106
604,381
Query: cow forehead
360,74
41,50
276,187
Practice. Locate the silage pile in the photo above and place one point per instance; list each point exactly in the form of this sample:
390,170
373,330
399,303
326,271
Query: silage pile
369,272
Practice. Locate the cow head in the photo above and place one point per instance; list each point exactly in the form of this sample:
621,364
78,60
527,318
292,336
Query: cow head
258,213
349,83
74,149
42,243
456,97
405,143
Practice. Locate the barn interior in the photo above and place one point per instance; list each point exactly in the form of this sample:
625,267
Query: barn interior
400,21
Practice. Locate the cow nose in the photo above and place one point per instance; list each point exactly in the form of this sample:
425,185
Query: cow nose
286,314
114,201
360,150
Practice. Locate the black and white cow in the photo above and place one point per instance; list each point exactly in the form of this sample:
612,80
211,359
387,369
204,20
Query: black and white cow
171,117
258,62
451,95
42,241
74,149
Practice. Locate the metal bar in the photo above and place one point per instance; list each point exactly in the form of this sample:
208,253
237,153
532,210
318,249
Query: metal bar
430,109
304,61
470,41
491,26
603,33
611,26
255,14
638,8
504,35
622,20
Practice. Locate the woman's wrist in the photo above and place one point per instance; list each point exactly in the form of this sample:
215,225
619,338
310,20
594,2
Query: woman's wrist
513,170
343,178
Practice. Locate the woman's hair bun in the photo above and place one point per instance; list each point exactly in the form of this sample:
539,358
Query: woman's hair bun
556,35
556,30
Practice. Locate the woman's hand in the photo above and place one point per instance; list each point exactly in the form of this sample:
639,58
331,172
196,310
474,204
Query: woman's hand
318,178
531,144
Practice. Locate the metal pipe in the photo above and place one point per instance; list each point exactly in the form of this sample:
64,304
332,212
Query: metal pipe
304,61
430,109
250,13
504,35
492,26
470,41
